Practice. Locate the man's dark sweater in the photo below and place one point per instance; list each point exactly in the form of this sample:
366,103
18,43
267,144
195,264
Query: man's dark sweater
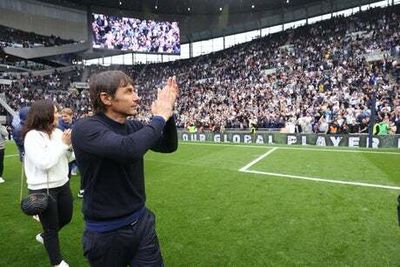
110,156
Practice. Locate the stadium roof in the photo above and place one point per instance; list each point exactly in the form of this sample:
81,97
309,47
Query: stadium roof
186,7
206,19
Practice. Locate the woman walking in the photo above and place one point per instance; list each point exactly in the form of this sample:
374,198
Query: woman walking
47,153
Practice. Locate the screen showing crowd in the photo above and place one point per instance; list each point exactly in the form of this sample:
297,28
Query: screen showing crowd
149,36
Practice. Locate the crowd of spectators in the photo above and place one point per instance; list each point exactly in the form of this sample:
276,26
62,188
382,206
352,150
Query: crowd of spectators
317,78
18,38
27,89
134,34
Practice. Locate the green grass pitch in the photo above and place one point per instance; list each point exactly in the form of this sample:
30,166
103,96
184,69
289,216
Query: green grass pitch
211,214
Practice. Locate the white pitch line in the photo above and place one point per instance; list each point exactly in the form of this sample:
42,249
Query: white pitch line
12,155
323,180
340,150
257,160
222,144
244,169
292,148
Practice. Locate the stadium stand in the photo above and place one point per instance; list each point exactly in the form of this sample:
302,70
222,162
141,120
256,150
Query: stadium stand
321,78
17,38
315,78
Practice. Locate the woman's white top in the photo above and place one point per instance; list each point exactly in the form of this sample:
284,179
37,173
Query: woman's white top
45,158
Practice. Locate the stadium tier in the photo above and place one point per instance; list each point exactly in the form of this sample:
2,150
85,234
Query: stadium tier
316,78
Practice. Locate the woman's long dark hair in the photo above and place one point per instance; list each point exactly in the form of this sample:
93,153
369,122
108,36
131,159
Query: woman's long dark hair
40,117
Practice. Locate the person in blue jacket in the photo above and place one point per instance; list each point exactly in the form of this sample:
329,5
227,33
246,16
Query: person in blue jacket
18,124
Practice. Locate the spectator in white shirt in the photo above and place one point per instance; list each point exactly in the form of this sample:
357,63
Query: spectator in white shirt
47,153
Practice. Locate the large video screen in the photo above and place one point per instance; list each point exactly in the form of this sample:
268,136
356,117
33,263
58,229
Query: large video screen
130,34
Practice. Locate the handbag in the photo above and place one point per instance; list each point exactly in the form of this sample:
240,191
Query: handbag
35,203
